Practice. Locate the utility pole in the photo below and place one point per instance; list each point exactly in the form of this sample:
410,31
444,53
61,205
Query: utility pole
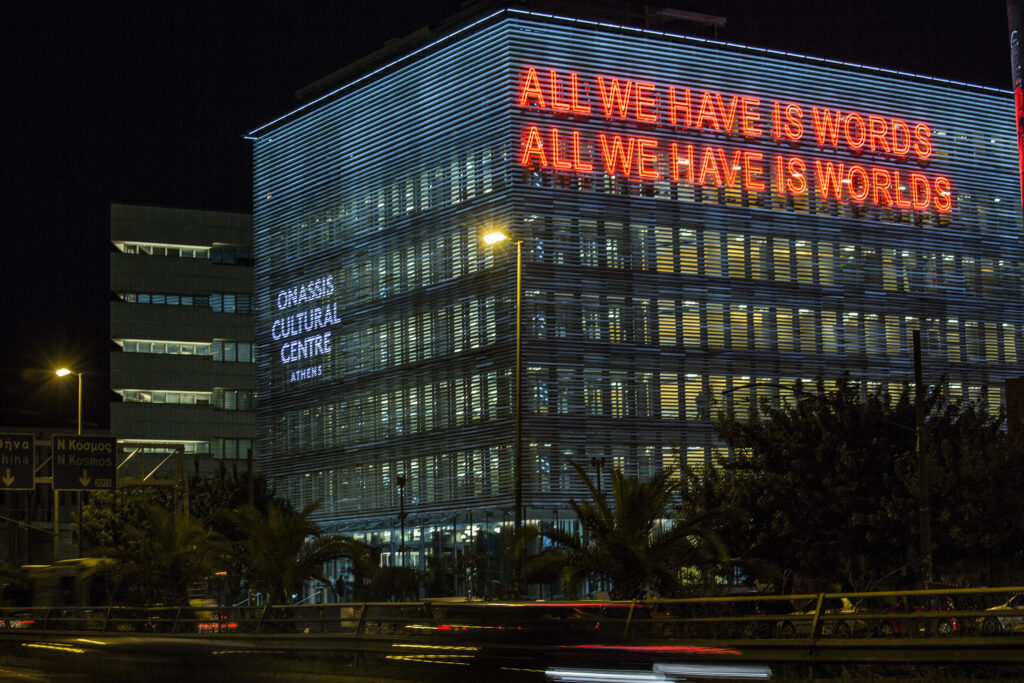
400,480
923,469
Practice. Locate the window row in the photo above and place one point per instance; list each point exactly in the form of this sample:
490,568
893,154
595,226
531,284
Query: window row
221,351
739,326
472,474
221,254
218,302
670,323
234,399
231,449
189,447
393,413
149,249
191,398
419,263
221,399
465,177
708,253
744,255
691,397
462,326
480,473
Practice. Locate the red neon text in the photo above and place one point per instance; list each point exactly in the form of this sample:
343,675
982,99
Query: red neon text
647,158
713,112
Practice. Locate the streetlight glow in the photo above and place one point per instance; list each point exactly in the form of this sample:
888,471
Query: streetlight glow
492,238
64,372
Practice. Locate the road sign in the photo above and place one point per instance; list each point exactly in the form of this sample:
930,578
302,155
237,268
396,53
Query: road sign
17,469
84,463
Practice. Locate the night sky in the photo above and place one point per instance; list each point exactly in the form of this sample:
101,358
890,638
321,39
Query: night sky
147,103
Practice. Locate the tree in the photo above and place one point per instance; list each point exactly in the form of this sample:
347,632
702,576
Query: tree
107,515
165,556
160,554
280,550
213,498
641,539
829,484
977,484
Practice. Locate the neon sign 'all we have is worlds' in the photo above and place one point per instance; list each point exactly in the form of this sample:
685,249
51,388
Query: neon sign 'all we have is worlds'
879,160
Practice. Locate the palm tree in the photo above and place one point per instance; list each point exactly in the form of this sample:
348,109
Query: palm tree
167,554
640,540
280,550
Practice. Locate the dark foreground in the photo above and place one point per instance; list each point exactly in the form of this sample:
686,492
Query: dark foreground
946,635
104,658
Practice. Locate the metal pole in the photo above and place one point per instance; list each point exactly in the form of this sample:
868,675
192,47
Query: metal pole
518,474
79,403
248,474
401,516
921,446
56,522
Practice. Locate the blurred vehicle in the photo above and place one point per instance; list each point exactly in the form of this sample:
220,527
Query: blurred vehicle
1008,616
942,626
17,620
799,623
78,581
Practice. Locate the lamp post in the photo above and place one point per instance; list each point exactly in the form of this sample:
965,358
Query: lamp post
597,463
400,480
62,373
517,487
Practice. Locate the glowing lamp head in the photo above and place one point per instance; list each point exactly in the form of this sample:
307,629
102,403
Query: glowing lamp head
63,371
495,237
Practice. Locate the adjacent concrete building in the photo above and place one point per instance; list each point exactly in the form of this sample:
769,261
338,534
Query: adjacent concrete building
181,317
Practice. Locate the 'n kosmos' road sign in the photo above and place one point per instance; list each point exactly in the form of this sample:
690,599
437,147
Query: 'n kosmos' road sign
84,463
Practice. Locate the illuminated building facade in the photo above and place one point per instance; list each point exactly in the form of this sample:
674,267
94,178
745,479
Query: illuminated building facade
181,317
698,220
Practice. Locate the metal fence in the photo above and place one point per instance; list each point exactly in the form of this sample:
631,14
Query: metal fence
939,614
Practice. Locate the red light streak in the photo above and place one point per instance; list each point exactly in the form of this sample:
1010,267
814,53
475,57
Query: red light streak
674,649
212,626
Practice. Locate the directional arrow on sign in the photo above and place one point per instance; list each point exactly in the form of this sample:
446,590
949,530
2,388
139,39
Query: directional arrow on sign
16,454
73,473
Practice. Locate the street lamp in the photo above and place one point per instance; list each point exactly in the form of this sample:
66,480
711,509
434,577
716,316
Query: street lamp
400,480
63,372
597,464
493,238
